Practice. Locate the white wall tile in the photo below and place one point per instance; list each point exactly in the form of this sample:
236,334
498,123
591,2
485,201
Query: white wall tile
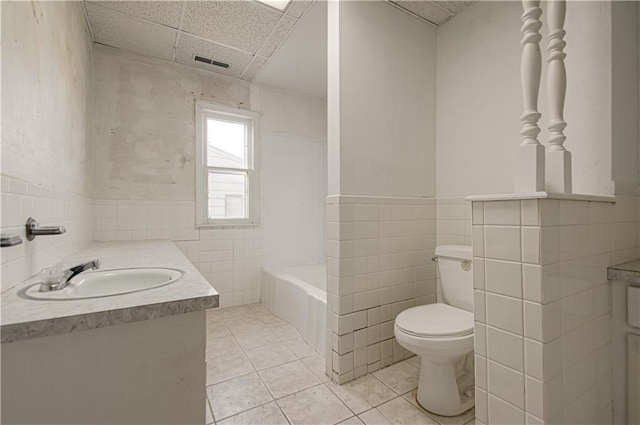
502,243
502,213
503,413
505,313
531,245
530,212
506,384
504,277
505,348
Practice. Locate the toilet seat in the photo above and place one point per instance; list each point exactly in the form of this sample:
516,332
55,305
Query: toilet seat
435,321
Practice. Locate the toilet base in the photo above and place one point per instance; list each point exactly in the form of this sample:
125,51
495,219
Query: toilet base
442,391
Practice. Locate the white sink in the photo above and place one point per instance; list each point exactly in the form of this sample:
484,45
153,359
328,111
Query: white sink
106,283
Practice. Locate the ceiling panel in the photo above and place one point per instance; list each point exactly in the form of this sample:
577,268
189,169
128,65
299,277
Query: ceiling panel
163,12
281,32
241,24
454,6
118,29
427,10
188,46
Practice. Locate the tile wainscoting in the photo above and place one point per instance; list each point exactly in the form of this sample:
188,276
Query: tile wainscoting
50,207
229,258
379,254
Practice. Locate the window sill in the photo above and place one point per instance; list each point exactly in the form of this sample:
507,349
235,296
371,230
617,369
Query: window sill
228,224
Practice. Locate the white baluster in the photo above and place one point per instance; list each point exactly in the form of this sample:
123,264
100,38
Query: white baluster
558,158
530,165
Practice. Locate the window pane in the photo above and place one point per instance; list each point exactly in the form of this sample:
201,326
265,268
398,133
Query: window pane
227,195
226,144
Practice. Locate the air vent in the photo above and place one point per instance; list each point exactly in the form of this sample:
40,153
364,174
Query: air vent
210,61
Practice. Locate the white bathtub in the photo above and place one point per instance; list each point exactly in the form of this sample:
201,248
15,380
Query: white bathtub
298,295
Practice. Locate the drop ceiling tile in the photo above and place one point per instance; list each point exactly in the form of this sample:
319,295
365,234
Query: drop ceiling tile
454,6
117,29
253,69
297,7
188,46
281,32
241,24
426,10
166,12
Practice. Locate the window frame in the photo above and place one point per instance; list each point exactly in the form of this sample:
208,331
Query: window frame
203,111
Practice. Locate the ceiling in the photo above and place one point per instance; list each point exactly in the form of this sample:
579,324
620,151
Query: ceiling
242,34
436,12
247,35
300,64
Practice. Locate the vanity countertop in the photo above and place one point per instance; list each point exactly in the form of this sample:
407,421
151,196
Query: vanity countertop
628,272
23,318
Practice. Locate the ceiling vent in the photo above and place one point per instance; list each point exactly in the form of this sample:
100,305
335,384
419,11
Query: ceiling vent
210,61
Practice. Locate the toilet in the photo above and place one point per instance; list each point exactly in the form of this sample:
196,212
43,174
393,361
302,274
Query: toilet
442,335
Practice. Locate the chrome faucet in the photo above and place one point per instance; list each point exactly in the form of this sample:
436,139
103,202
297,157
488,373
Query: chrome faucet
55,278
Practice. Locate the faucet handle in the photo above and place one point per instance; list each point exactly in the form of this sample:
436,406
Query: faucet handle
53,275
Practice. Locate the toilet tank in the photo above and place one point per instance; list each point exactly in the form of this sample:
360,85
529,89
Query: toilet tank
456,275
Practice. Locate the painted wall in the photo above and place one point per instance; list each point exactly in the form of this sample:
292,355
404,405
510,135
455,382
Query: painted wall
382,61
46,52
625,113
46,159
144,129
294,175
144,136
479,63
293,201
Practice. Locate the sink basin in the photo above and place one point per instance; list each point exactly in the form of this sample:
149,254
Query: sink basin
106,283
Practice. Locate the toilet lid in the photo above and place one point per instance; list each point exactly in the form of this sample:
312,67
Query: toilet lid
435,320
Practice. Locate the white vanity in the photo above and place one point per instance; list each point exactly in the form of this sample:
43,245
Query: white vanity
625,289
137,357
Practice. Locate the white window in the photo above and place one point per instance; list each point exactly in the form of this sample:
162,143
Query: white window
227,187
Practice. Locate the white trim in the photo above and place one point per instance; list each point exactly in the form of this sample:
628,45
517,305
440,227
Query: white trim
252,171
541,195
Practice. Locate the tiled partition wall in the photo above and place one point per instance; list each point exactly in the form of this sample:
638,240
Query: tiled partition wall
50,207
379,254
542,307
229,258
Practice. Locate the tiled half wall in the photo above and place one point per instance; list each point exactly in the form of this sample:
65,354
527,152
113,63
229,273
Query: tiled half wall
379,254
542,307
50,207
229,258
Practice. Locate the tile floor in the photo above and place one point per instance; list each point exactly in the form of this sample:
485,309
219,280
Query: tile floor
260,371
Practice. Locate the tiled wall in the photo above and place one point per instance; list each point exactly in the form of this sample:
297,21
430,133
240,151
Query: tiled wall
542,307
229,258
379,254
49,207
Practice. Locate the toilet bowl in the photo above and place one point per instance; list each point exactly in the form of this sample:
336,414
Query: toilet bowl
442,335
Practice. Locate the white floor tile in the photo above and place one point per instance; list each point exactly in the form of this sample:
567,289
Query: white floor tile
288,378
401,377
268,414
317,405
237,395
